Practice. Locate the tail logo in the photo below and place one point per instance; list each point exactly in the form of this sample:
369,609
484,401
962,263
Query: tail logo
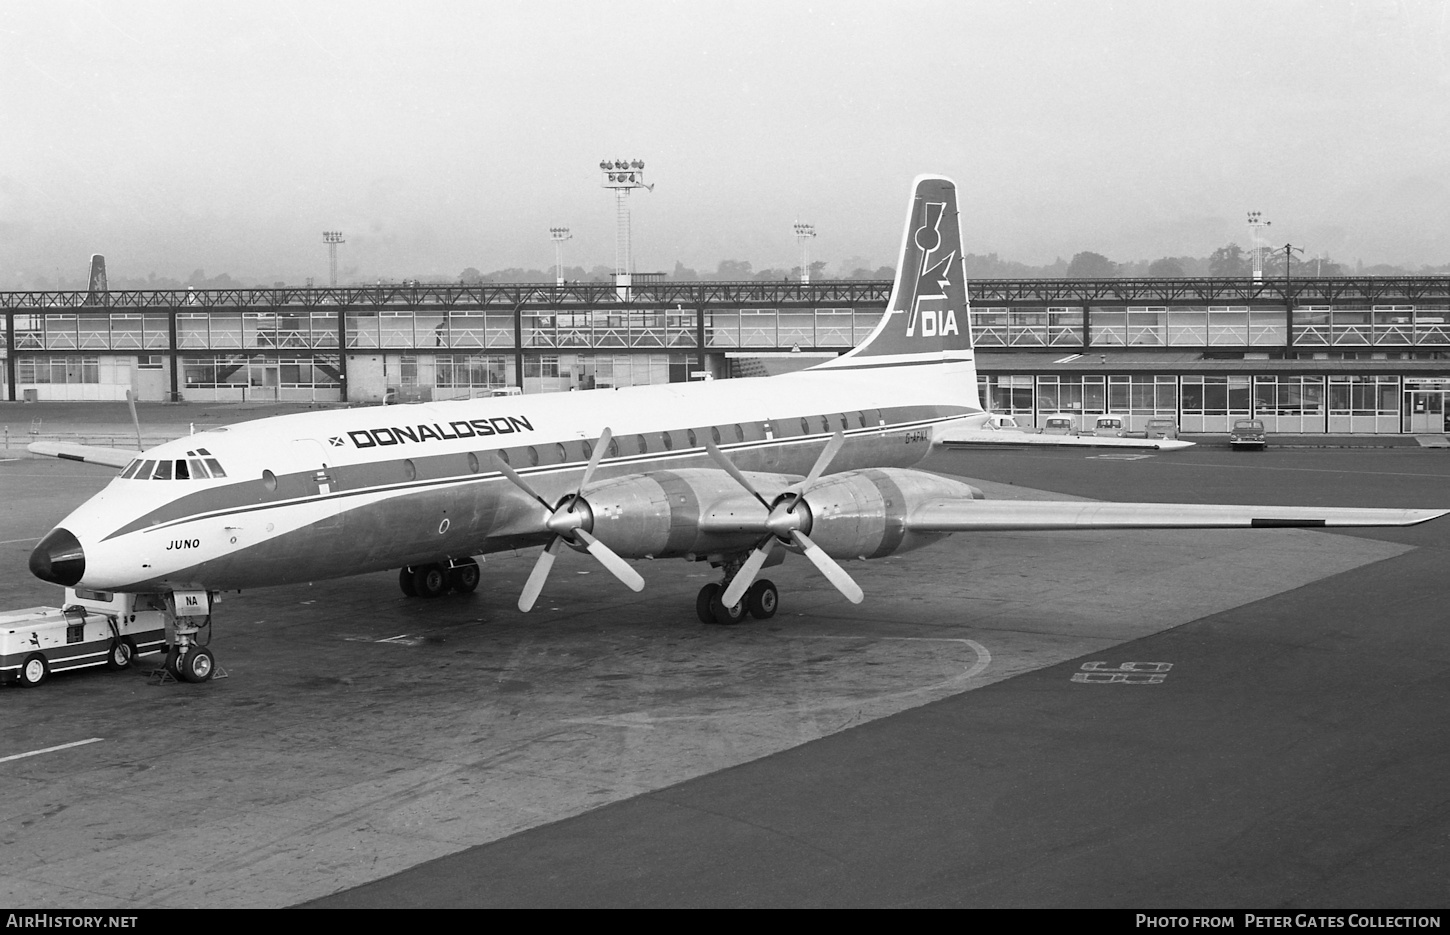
932,279
927,319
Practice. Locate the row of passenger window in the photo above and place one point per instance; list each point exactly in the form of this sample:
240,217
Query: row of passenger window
197,465
624,446
660,442
564,453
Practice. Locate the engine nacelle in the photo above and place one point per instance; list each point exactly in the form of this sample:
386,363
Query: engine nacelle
667,514
862,514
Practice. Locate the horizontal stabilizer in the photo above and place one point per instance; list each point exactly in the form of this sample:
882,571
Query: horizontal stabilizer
985,515
91,454
1010,438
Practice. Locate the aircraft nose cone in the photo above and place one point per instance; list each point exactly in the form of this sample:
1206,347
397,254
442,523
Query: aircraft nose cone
59,558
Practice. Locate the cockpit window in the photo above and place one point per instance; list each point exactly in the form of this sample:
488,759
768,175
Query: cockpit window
197,465
212,463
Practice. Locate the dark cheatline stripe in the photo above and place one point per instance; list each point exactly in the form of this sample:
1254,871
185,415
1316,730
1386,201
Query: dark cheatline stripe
1272,523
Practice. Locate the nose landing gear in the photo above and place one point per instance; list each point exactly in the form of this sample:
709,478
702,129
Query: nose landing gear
187,660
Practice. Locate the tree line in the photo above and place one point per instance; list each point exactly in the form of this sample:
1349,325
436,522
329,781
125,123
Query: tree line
1230,260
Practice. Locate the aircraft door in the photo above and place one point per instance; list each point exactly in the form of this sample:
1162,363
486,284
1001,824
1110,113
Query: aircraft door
309,454
310,457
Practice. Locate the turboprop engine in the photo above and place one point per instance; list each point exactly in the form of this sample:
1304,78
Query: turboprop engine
858,514
667,514
866,514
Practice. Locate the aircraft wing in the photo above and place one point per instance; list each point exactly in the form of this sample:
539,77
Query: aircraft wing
1010,438
961,515
91,454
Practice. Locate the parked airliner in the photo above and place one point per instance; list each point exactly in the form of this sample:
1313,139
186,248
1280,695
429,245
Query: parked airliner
732,472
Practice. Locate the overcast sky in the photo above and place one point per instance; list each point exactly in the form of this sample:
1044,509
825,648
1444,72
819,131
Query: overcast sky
175,136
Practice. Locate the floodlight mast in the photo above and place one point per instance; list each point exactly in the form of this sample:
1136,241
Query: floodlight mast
559,235
803,234
332,239
623,175
1256,224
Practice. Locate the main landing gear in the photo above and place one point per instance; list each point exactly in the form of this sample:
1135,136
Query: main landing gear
760,601
437,579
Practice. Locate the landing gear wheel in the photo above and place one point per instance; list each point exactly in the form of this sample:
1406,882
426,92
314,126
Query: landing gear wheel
464,576
708,595
120,655
727,616
405,582
762,599
198,665
34,670
173,662
430,580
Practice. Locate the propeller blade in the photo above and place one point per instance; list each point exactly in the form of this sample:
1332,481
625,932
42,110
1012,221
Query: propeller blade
616,565
833,447
540,574
730,468
599,448
828,567
518,481
745,577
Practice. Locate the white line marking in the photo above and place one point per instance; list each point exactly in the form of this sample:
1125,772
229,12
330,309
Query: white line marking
78,743
13,541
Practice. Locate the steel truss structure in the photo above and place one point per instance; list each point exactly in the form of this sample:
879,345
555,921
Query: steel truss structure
665,294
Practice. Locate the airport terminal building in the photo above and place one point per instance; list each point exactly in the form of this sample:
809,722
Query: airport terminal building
1357,355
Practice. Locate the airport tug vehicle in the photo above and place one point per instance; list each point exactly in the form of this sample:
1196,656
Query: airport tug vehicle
92,628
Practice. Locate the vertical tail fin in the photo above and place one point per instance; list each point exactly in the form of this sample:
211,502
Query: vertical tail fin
926,320
96,291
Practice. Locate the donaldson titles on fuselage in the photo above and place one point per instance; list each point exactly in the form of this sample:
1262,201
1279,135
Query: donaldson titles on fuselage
463,428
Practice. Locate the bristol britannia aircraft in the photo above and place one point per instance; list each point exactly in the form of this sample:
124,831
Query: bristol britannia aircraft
732,472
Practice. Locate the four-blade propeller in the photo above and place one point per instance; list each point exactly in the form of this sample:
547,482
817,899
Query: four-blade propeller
567,521
784,521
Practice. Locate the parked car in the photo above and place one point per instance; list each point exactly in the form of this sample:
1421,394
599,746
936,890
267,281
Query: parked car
1162,428
1108,427
1059,425
998,421
1247,433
